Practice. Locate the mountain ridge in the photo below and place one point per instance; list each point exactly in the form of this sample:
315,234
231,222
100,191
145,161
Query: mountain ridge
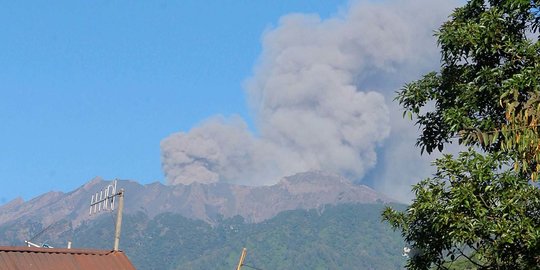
206,202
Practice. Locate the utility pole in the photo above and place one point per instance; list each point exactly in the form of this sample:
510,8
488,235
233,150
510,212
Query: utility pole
118,227
242,258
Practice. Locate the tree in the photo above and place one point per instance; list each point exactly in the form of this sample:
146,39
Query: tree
482,208
472,210
487,88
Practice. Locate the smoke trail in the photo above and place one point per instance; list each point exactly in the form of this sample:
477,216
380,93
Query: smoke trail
319,96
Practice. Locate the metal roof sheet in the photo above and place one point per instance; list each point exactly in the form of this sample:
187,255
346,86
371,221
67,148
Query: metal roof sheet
31,258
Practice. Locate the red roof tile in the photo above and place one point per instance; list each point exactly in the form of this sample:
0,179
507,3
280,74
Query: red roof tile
31,258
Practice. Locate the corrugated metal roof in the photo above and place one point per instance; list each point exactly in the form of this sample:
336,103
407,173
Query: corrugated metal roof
31,258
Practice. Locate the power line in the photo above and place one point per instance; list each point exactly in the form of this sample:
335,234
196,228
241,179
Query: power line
252,267
42,231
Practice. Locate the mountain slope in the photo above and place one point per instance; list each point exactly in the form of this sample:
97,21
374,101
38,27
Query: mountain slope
206,202
311,220
345,236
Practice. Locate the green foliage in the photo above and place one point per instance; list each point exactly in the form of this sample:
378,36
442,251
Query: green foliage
338,237
477,212
473,210
485,56
341,237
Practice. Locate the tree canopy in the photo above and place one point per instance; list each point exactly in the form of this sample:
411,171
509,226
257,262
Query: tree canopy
483,207
471,210
486,93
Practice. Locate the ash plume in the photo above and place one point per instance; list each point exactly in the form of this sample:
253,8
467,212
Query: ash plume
320,96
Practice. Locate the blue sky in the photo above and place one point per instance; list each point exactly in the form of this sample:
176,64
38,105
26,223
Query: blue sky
160,91
90,88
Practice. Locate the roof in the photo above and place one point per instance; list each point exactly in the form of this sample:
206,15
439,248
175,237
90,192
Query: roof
31,258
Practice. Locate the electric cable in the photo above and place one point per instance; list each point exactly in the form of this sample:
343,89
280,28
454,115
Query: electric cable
252,267
42,231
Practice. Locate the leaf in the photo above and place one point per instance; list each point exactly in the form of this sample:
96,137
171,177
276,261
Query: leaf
495,137
485,139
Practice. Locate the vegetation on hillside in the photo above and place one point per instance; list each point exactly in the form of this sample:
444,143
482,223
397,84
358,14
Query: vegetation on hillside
348,236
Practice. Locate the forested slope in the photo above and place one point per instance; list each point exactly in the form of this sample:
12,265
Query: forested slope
347,236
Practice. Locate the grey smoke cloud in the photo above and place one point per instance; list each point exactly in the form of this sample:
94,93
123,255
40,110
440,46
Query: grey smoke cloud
321,98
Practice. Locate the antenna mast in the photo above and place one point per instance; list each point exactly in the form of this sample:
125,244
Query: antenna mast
118,226
105,200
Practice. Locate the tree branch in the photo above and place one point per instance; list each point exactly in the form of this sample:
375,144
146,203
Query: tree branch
470,259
